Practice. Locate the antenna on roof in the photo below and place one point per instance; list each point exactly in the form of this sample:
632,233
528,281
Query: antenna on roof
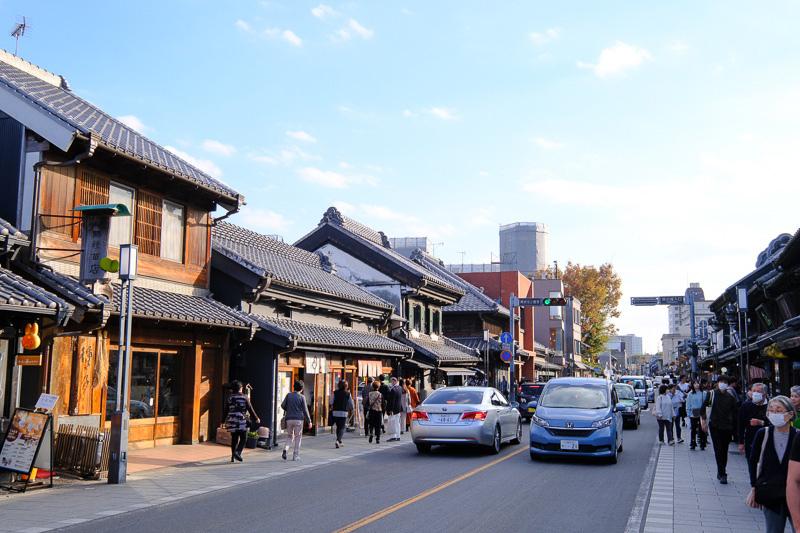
433,247
19,31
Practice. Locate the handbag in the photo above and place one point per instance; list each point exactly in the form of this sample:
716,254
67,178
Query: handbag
770,491
283,422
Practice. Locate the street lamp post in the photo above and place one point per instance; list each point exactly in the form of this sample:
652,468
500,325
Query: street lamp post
118,461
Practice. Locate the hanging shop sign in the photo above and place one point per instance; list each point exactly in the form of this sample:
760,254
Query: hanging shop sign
29,360
316,363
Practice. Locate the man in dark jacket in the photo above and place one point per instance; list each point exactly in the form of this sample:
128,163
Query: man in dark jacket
394,407
720,424
383,388
752,417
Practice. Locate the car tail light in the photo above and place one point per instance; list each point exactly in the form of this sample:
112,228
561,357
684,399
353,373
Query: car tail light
474,415
419,415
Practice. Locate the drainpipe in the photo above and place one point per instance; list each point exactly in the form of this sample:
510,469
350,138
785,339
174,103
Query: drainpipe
274,426
37,183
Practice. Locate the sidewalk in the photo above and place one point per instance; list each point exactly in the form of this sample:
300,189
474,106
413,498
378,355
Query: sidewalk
686,495
48,509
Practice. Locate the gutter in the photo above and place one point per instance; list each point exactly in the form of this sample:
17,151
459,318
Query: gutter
37,184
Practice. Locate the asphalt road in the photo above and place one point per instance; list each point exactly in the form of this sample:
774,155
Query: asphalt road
401,490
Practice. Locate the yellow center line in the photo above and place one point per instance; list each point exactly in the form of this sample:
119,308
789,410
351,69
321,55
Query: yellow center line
389,510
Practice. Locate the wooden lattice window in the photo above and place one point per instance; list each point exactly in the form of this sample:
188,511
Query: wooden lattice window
94,188
57,198
148,223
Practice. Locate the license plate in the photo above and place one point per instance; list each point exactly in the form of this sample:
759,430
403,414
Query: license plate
531,409
445,419
569,445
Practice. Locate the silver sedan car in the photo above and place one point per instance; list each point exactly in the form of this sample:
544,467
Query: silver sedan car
465,415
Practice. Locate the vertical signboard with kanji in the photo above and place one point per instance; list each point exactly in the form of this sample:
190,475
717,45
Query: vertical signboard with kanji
94,246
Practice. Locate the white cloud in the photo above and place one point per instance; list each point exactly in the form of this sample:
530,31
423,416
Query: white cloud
345,110
483,174
290,37
334,180
322,12
353,28
443,113
263,220
549,145
263,159
134,123
345,208
216,147
408,113
677,47
345,165
545,37
206,165
242,25
617,60
290,155
301,136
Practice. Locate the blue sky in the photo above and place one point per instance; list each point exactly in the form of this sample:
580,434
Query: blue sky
661,137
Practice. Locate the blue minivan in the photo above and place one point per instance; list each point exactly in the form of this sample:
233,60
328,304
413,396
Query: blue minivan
579,417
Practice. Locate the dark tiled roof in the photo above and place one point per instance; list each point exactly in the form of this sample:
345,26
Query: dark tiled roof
474,299
289,265
306,332
150,303
442,350
7,229
378,242
16,292
79,114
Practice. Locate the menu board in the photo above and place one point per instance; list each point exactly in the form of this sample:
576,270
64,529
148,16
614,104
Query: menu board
22,440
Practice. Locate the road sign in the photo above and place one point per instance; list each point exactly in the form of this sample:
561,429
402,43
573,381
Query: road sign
529,302
506,338
505,356
644,300
670,300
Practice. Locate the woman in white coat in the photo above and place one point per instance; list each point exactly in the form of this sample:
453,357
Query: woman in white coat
664,413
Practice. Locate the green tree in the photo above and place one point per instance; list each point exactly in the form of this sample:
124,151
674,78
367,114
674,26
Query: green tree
599,291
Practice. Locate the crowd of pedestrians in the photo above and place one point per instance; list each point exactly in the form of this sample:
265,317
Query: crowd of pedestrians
764,428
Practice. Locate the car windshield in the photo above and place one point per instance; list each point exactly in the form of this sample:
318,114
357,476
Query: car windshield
637,383
575,396
455,396
625,393
530,389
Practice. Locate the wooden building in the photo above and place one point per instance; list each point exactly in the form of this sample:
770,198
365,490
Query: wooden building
60,152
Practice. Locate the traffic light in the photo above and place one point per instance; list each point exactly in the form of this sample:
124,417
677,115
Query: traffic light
554,301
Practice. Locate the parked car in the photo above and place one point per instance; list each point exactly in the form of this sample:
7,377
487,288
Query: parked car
639,386
465,416
577,417
528,396
633,409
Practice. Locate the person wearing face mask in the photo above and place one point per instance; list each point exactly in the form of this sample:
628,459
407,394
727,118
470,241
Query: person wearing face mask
683,386
752,417
694,408
720,425
770,462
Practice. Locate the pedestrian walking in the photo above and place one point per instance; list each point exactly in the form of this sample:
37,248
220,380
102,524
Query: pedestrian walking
375,406
394,407
752,417
341,404
236,408
383,388
404,403
769,464
413,401
694,408
795,397
683,386
504,387
664,413
677,398
365,403
720,424
296,411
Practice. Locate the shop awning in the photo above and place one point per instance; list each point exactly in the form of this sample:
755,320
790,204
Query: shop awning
419,364
456,371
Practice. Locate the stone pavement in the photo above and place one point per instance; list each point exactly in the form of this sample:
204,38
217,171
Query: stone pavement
686,495
49,509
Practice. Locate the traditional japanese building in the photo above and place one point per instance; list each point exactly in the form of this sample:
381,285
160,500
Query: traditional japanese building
314,325
59,153
417,295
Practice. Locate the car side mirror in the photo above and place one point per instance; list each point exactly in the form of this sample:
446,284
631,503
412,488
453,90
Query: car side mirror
533,404
620,407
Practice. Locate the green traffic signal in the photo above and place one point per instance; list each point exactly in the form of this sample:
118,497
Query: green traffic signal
554,301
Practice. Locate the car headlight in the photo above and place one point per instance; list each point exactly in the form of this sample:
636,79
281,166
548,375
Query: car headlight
602,423
630,409
540,421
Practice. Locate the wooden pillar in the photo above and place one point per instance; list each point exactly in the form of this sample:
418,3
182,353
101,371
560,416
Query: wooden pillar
190,417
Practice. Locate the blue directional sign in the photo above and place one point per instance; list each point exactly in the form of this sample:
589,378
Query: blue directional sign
506,338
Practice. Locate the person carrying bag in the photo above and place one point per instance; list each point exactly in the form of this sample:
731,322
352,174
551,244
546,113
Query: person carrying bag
769,464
